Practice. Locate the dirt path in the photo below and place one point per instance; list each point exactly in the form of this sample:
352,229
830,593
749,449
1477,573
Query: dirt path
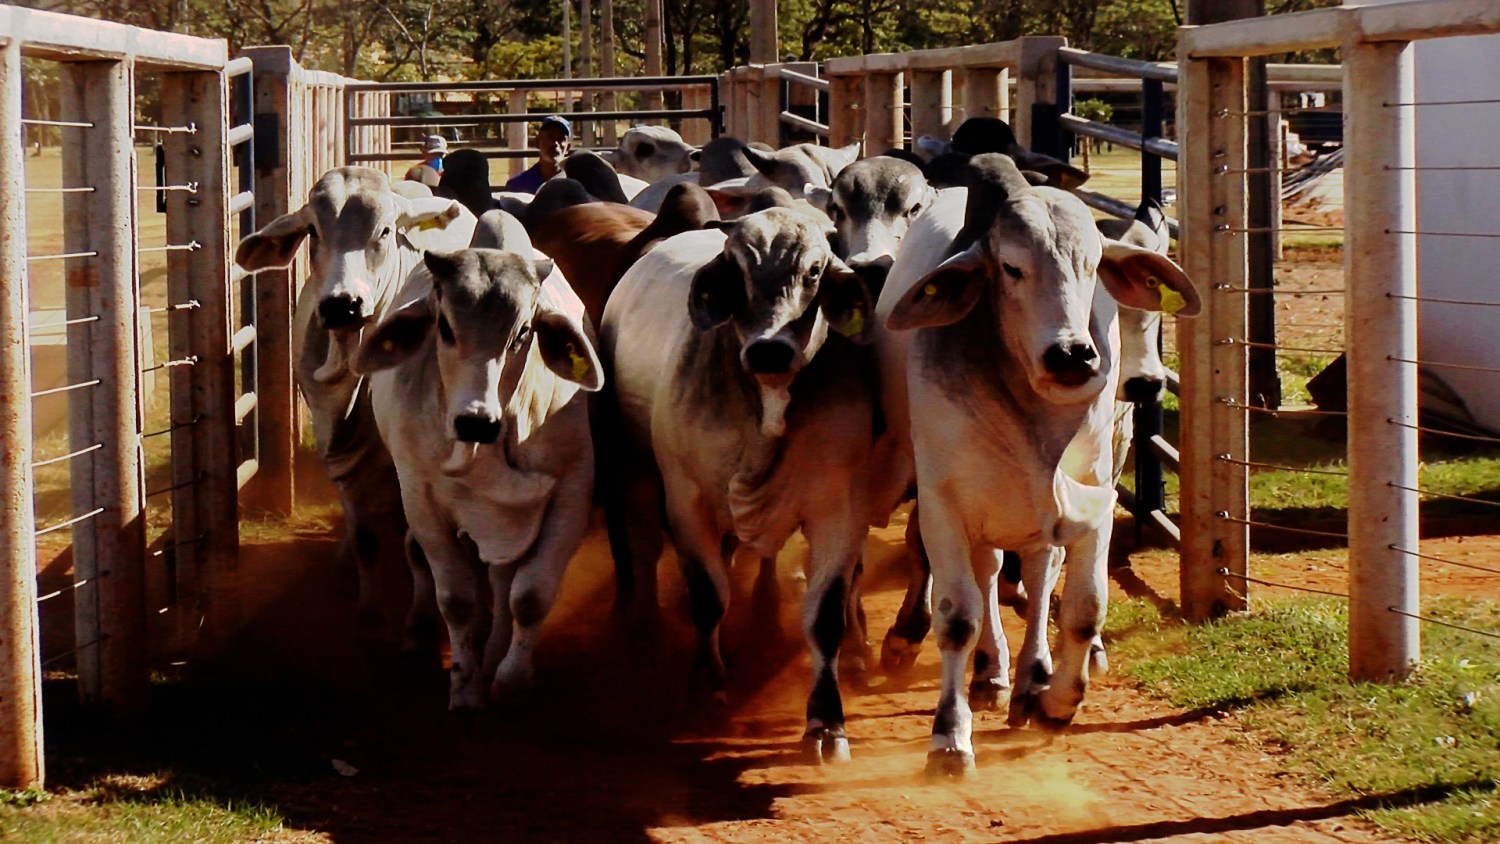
611,747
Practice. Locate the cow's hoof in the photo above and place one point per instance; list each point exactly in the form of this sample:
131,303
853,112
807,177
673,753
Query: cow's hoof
1021,708
897,655
988,695
1049,724
825,747
1098,660
854,666
950,762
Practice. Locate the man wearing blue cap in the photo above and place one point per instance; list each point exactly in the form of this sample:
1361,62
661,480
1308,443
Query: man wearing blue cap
552,142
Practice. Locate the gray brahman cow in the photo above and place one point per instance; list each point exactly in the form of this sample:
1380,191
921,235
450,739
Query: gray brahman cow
746,409
999,349
1141,379
652,153
795,169
363,240
476,385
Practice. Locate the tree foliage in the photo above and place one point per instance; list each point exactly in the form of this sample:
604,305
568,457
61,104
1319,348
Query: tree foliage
457,39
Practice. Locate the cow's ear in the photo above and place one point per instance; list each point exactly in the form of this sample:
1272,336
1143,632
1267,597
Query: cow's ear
850,152
846,301
1058,173
566,350
945,295
433,213
717,294
274,246
761,160
817,196
1146,280
543,267
695,155
399,335
731,204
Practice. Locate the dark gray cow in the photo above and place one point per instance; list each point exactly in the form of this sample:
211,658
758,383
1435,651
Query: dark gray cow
746,408
476,389
364,239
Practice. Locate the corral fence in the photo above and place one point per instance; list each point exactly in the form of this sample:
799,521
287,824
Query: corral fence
153,489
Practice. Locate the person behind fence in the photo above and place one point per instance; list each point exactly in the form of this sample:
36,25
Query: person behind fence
552,141
431,168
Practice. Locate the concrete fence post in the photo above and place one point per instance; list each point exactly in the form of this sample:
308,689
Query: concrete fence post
1380,267
885,123
109,549
1215,425
21,759
931,103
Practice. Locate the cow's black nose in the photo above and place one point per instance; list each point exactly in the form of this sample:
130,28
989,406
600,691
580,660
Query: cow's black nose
472,428
1071,365
769,357
873,273
1143,390
341,311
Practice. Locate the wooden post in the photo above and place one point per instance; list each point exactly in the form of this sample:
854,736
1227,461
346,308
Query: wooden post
588,131
1215,423
768,106
884,115
763,33
931,103
516,134
740,111
845,111
653,50
1380,266
607,55
274,487
985,91
109,549
21,760
1036,91
205,452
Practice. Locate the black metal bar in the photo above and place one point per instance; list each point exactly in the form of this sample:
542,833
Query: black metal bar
716,109
620,83
531,117
1151,128
161,178
1128,68
1065,137
783,92
1263,197
1150,480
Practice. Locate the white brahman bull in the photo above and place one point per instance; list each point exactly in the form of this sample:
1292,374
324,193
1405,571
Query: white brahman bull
999,361
364,238
476,389
746,407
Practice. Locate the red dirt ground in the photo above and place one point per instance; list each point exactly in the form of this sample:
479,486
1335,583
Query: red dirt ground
610,747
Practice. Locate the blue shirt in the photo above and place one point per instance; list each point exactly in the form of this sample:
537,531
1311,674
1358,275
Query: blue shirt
527,181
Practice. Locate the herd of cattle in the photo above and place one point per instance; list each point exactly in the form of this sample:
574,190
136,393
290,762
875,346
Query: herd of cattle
773,341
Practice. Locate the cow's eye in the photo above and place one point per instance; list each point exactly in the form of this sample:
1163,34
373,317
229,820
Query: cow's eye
1012,271
445,330
914,210
814,273
384,233
522,336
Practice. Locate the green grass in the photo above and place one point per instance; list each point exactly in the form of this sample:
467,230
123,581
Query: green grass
134,808
1431,745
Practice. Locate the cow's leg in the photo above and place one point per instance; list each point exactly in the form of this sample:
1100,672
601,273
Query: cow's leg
959,613
1039,568
634,516
700,553
501,622
1079,622
421,636
855,656
457,589
765,598
835,541
990,687
537,579
898,652
1011,590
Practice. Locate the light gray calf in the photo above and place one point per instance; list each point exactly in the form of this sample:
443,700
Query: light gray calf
652,153
363,240
476,389
1004,401
744,410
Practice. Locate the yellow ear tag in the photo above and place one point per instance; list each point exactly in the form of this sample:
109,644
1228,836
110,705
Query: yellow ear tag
855,324
580,363
1171,300
429,223
930,289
